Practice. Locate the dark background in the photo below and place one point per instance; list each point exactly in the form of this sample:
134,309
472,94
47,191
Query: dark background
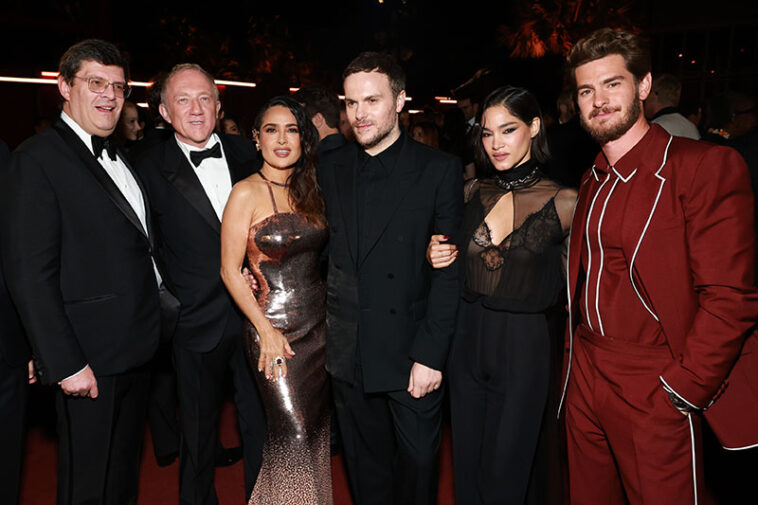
291,44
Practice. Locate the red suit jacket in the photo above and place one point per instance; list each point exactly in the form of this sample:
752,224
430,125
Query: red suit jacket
689,241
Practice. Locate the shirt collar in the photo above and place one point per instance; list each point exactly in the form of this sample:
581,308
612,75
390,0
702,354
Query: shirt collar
388,157
630,161
664,111
86,137
186,148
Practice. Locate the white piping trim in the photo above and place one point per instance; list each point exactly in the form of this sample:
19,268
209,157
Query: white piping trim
624,179
594,173
589,250
669,388
647,224
570,326
694,459
602,255
739,448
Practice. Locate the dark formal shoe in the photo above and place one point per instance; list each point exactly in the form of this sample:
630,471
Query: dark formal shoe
226,457
167,459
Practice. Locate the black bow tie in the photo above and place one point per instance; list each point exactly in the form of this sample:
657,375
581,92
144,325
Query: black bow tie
100,143
197,157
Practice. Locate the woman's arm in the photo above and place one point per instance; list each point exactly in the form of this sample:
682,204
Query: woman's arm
235,226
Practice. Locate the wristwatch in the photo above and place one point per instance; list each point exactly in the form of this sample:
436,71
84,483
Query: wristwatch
678,403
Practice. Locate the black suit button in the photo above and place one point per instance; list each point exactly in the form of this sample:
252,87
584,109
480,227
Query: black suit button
390,276
399,238
338,267
393,311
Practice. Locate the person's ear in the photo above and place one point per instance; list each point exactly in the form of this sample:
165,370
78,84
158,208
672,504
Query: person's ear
644,86
534,127
64,88
400,101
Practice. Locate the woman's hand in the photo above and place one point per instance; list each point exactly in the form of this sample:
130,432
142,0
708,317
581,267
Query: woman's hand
274,353
441,255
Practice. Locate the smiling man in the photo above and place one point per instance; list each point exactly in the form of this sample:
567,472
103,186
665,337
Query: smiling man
77,250
389,316
661,298
189,178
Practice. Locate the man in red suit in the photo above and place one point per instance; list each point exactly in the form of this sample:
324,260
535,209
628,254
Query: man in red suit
661,297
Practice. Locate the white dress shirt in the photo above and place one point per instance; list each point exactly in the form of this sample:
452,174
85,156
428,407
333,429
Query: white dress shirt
213,174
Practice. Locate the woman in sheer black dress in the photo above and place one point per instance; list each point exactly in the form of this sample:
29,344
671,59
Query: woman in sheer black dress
511,244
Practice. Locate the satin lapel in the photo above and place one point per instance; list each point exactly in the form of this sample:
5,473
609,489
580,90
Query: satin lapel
391,194
238,170
148,215
344,181
576,239
74,142
178,171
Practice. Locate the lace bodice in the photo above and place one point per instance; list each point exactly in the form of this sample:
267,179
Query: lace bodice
524,272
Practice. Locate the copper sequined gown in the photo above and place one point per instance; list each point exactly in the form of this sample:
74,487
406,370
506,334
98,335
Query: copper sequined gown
283,252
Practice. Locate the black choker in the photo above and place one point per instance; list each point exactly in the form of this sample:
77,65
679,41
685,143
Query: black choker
523,176
281,185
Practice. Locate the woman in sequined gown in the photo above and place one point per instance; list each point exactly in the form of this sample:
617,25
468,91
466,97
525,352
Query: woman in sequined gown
275,220
503,359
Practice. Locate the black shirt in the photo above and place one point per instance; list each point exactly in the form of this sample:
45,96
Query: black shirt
372,173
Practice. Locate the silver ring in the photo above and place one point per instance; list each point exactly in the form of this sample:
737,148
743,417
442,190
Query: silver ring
279,360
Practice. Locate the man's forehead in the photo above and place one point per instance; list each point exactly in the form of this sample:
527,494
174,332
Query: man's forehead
189,80
613,64
366,80
92,67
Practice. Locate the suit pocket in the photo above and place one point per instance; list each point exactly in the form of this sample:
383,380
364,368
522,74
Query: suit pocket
91,299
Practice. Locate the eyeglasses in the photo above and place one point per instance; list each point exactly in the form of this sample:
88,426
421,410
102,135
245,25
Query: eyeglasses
98,85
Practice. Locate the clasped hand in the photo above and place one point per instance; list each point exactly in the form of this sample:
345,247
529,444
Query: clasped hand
441,255
423,380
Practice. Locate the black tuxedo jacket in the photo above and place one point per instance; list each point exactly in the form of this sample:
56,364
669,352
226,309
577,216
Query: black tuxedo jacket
189,237
77,260
388,307
14,349
331,143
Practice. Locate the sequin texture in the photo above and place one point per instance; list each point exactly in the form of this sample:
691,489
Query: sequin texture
283,252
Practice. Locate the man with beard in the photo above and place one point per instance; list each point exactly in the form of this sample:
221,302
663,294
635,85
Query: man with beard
390,317
660,281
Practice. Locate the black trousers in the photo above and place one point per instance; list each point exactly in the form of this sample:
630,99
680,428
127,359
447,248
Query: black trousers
162,407
200,385
390,441
13,398
101,441
499,373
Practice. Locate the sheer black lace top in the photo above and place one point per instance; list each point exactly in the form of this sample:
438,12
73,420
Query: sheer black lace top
525,271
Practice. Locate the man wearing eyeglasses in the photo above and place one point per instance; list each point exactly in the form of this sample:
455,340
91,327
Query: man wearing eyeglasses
78,256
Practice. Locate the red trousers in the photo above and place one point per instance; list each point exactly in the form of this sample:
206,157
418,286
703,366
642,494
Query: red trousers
626,441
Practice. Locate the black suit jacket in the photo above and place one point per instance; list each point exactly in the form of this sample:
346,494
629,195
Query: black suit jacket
153,137
190,239
331,143
389,306
14,349
77,260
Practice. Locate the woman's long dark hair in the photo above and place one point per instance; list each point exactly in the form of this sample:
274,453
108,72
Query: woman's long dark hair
521,103
304,193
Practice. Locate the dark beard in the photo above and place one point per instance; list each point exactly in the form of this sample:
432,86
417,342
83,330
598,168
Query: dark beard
380,136
602,137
